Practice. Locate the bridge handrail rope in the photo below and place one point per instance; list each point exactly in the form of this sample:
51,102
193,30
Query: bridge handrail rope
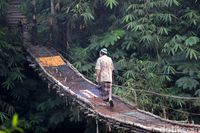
161,94
165,95
181,111
146,91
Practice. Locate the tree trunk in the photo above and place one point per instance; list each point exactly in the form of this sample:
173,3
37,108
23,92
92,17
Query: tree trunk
57,6
34,27
52,7
51,21
164,112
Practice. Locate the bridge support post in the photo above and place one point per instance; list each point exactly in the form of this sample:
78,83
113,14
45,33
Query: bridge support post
135,95
34,27
97,126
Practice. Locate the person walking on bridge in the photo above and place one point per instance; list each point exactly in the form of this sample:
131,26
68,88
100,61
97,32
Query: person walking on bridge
104,68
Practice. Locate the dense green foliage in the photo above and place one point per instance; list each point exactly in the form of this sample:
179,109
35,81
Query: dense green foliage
23,92
13,127
10,68
154,44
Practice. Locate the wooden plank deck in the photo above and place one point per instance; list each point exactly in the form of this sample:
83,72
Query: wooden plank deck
74,84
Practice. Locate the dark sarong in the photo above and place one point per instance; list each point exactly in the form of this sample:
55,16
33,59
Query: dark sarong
105,90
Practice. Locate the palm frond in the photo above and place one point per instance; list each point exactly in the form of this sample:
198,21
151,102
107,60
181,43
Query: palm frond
111,3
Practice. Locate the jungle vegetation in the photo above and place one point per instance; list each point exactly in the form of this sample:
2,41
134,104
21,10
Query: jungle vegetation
154,45
39,109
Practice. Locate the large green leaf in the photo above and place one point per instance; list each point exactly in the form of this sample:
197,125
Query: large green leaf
15,120
3,117
111,3
192,53
197,93
171,2
191,41
187,83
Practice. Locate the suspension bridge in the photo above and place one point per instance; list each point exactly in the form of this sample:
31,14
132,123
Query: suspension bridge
71,84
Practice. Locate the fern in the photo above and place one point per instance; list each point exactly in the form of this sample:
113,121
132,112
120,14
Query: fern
165,17
129,74
20,93
192,16
172,2
36,119
191,41
14,126
57,118
87,16
49,104
187,83
3,5
197,93
128,18
3,117
15,75
163,31
7,108
191,53
108,39
169,69
111,3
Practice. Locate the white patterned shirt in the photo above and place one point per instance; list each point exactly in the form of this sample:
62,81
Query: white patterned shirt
105,65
